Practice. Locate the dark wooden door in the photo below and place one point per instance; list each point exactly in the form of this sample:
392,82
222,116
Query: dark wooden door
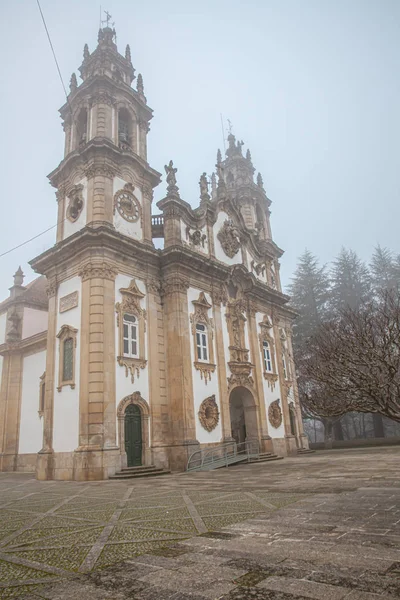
133,435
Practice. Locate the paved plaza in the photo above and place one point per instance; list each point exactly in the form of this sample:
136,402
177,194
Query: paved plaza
324,525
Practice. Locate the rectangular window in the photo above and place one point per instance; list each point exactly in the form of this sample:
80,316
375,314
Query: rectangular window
201,342
68,359
130,336
284,365
267,357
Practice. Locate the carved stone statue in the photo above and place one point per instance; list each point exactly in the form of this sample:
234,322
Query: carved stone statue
203,186
170,171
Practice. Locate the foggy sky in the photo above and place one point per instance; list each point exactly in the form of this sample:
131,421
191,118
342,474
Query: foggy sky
311,86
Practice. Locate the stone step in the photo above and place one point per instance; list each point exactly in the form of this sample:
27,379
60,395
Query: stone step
305,451
138,469
266,458
135,475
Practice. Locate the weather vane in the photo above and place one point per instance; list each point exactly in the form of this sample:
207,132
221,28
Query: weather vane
107,20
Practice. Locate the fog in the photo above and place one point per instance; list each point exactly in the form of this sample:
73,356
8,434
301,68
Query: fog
311,86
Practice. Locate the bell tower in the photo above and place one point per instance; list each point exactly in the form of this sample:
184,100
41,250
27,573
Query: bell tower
104,178
104,244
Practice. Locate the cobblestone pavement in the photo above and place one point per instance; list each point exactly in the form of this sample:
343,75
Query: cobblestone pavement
325,525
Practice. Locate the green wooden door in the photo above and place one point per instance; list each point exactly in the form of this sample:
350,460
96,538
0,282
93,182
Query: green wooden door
133,435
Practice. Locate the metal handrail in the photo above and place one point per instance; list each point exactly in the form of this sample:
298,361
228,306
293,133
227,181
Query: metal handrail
224,453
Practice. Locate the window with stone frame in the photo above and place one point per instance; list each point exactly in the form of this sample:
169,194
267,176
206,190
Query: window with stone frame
42,393
267,348
67,337
202,333
131,323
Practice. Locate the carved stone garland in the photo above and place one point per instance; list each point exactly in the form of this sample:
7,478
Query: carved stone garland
275,414
209,413
200,316
75,205
131,297
229,238
265,336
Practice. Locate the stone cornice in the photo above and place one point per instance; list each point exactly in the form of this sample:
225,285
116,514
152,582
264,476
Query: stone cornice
117,89
30,345
103,151
102,241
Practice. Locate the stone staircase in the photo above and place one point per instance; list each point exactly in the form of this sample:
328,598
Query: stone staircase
136,472
302,451
265,457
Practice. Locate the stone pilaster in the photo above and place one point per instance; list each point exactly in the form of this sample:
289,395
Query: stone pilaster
255,355
179,366
10,402
303,439
217,299
97,455
160,415
147,201
45,458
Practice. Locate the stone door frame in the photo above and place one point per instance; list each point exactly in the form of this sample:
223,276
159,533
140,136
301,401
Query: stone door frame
144,408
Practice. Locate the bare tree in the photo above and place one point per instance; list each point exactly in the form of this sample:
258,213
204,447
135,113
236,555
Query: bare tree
353,363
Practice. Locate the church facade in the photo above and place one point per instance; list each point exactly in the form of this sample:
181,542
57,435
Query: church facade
121,353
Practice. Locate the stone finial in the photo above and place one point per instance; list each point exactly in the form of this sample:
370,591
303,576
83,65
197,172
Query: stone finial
100,36
213,186
204,195
19,277
221,187
260,182
248,155
73,84
172,188
86,52
14,327
139,85
219,157
128,53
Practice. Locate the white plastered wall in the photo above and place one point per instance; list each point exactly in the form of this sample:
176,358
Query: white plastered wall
219,253
133,230
124,385
201,389
34,322
271,394
185,238
70,228
31,425
66,402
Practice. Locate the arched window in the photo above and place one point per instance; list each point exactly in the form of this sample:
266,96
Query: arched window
201,342
130,336
267,357
82,126
124,128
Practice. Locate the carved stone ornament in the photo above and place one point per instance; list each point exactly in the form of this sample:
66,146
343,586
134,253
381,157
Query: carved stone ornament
240,379
196,238
98,271
75,205
209,413
219,295
258,268
130,304
68,302
275,414
229,238
175,283
127,205
102,170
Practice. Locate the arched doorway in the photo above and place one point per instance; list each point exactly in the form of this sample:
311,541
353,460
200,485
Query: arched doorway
133,415
243,413
133,435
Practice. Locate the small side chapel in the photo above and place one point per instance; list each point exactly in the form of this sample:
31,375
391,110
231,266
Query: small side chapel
121,353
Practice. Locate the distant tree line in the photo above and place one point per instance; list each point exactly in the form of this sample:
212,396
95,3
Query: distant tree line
346,341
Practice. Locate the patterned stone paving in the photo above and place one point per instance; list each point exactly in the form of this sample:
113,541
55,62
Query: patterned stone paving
53,530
